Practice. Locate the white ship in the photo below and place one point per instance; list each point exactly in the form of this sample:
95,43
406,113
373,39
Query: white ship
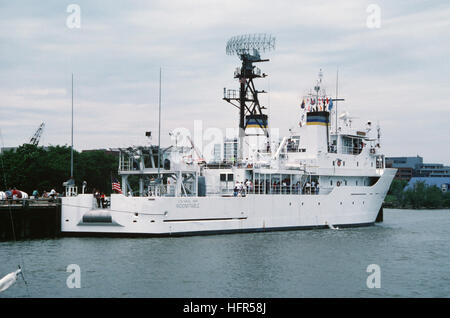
325,174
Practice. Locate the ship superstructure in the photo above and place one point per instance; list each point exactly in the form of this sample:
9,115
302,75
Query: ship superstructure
325,172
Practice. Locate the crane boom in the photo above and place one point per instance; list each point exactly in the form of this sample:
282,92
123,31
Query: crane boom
34,140
200,157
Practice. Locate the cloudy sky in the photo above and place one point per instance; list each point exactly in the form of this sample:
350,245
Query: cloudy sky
397,74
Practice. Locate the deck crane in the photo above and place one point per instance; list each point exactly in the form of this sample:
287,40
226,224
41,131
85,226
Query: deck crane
34,140
199,155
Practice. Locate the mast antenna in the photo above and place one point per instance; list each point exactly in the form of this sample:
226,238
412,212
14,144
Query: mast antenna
71,147
337,81
248,48
159,129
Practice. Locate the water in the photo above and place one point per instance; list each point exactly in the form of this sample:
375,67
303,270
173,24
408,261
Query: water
411,248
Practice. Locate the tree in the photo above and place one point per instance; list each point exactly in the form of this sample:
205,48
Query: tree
395,193
434,197
31,167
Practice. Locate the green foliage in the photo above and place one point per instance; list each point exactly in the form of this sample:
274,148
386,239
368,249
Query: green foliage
396,189
420,196
31,167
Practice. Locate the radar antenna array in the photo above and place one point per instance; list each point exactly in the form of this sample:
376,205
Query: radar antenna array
250,43
247,48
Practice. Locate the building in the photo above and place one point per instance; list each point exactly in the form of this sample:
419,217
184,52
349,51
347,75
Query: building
404,162
436,170
409,167
230,150
217,153
405,166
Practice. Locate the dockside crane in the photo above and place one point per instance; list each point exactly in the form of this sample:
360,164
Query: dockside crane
34,140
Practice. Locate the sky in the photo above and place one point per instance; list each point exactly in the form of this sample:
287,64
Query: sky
392,58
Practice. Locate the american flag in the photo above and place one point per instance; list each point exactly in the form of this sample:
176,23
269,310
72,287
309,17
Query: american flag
116,185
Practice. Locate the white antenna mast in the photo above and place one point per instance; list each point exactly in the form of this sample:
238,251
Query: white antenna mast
71,148
337,81
159,128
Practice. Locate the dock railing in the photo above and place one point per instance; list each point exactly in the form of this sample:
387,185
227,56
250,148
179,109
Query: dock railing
35,202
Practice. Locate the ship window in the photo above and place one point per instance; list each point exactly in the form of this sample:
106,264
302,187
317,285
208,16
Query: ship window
371,164
356,182
345,181
230,177
357,163
223,177
343,163
331,182
333,162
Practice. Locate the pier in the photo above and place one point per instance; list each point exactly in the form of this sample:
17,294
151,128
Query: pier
30,218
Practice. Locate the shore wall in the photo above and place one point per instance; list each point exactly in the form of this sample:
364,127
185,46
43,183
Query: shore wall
27,219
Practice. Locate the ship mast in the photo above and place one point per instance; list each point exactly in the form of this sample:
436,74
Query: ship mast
247,48
71,145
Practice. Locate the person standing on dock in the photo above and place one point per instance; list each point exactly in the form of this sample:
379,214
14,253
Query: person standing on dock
97,197
16,194
103,200
52,193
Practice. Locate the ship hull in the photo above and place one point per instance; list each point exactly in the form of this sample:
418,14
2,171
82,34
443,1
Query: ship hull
344,206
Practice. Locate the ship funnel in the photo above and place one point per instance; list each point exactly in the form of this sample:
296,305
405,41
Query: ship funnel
317,129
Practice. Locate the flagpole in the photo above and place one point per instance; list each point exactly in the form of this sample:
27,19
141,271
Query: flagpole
71,148
337,80
159,127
